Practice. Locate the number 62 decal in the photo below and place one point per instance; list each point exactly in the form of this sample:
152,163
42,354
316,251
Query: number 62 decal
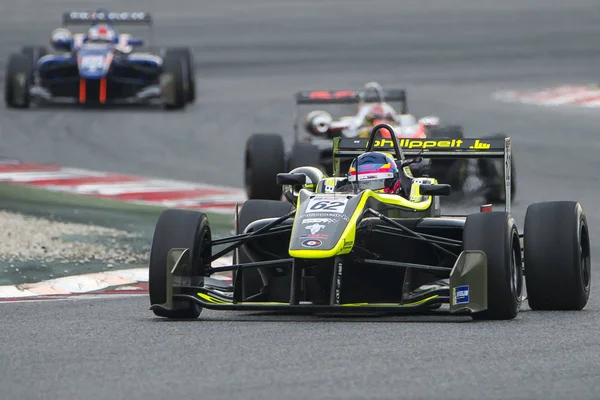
320,204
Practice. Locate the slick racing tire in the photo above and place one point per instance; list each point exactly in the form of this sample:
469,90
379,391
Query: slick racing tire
17,81
304,155
34,53
175,65
452,172
496,234
249,282
190,71
179,229
491,172
557,256
264,158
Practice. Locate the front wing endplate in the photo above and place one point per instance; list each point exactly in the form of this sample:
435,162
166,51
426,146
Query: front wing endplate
468,282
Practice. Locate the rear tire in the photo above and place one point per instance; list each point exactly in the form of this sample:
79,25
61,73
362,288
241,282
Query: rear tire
491,172
17,81
452,172
34,53
174,64
179,229
557,256
249,282
264,158
497,236
304,155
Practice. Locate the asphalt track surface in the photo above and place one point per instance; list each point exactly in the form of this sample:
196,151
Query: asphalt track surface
251,56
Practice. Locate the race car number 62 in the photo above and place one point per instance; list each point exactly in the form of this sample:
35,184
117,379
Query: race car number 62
335,206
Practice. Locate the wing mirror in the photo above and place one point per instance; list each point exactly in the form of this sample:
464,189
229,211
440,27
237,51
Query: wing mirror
435,190
291,179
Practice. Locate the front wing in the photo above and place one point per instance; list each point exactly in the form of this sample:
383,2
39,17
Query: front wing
115,88
466,293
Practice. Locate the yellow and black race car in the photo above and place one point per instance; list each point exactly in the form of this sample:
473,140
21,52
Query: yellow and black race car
332,248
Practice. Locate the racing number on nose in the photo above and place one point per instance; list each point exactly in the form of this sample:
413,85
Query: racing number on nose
92,62
327,205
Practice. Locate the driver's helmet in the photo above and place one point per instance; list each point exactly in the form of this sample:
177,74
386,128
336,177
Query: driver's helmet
381,113
101,33
313,176
376,171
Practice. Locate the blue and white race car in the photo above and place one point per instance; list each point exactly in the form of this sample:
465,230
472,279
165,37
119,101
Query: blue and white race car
100,67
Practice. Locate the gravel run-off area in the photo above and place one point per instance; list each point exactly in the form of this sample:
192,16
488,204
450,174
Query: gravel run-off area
32,244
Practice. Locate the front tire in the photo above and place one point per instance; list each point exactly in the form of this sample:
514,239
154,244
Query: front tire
17,81
496,234
557,256
179,229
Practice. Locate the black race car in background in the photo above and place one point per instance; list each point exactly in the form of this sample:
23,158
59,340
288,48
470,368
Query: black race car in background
265,154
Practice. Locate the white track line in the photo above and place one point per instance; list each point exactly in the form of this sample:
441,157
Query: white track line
88,283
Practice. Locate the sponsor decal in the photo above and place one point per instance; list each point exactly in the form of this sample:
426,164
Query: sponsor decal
118,16
314,228
329,95
318,220
382,175
460,294
312,243
427,144
314,236
330,215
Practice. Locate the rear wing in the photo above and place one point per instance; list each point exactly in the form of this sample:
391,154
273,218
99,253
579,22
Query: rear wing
348,96
426,148
500,148
116,18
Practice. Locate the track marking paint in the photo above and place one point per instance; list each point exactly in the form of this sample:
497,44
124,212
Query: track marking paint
581,96
126,188
132,281
119,187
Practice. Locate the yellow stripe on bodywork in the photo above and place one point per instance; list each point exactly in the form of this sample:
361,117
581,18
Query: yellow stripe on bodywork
413,304
269,303
212,299
348,236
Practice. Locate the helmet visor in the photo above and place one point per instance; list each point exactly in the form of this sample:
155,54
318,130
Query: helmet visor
373,181
374,184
